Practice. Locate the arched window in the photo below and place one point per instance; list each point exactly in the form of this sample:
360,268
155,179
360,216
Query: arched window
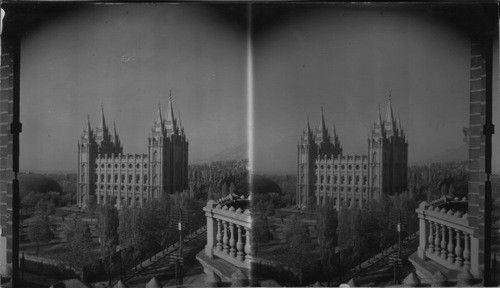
335,179
130,179
137,179
145,178
357,180
123,178
109,177
342,179
374,157
364,180
155,156
102,178
349,180
322,179
328,179
116,178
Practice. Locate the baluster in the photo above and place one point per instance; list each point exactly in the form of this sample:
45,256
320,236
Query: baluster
466,252
232,241
248,245
430,248
458,249
218,237
451,247
225,239
239,244
443,243
437,240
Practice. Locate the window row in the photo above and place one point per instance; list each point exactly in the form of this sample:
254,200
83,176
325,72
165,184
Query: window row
123,178
341,189
122,187
130,166
342,167
342,179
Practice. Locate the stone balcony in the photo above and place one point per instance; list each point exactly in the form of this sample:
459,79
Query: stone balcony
227,255
446,242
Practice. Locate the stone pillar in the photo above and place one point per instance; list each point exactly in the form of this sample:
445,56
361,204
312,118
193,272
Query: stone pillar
211,230
9,150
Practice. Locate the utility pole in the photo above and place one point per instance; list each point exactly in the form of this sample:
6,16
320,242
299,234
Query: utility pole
180,247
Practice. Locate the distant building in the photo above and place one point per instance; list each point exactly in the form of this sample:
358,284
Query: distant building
326,174
126,179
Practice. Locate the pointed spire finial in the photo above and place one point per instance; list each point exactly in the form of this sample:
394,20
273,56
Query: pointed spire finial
308,126
102,124
390,117
322,126
159,119
379,118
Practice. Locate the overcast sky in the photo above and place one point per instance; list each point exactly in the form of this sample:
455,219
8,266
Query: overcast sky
128,57
346,59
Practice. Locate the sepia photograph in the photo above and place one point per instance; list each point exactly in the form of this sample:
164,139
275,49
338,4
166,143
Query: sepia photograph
265,144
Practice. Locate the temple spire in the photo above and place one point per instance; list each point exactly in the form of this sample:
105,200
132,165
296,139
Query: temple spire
102,124
379,118
89,127
170,109
322,126
390,117
159,118
308,126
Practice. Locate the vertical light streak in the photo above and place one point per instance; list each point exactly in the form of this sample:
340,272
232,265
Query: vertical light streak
250,96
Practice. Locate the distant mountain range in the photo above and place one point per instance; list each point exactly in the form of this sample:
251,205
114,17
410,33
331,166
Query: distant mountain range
451,155
235,153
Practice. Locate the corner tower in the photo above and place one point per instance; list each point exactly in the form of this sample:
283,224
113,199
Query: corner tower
388,155
87,153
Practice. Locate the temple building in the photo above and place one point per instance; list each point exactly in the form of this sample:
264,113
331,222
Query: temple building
325,174
131,179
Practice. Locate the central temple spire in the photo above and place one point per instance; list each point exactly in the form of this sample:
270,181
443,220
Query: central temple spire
390,124
322,126
102,124
170,109
390,117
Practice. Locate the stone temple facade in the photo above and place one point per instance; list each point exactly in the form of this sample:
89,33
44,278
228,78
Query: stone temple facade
131,179
325,174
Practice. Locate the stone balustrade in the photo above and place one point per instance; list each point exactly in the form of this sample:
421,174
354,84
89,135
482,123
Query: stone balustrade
447,238
229,230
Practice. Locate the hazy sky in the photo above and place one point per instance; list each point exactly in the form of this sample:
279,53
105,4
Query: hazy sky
348,60
128,57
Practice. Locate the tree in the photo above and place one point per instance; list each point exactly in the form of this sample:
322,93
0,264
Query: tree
108,235
327,238
39,230
47,207
298,239
78,248
260,232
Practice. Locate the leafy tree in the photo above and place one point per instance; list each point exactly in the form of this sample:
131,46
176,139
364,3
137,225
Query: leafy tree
260,232
46,207
78,248
327,238
298,240
39,230
108,235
